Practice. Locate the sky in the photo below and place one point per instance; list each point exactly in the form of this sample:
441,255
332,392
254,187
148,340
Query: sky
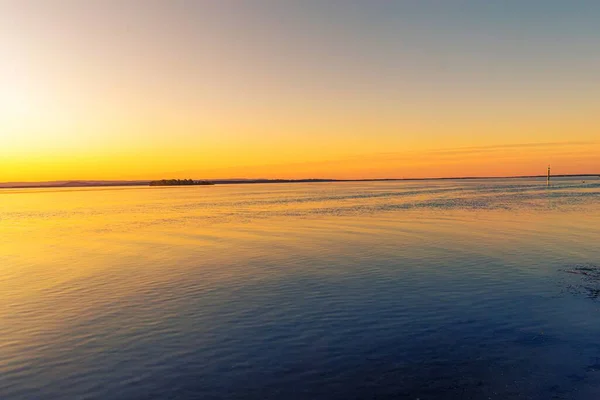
149,89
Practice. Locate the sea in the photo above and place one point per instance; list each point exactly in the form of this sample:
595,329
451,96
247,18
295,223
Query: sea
434,289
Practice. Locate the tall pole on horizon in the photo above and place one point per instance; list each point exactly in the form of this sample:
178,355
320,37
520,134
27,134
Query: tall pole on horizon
548,177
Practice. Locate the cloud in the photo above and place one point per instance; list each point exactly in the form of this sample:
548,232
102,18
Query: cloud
473,150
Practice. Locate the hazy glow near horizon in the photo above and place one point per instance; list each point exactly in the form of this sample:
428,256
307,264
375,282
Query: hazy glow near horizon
338,89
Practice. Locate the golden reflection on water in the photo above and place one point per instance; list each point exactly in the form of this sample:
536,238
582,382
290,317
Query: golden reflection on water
51,236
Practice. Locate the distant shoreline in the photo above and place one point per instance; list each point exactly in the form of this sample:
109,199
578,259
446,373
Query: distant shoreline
83,183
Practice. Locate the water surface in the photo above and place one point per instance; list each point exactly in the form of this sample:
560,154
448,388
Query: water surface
429,289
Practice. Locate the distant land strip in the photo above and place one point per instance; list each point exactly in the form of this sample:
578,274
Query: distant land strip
96,183
180,182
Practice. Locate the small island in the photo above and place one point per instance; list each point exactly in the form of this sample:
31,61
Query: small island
179,182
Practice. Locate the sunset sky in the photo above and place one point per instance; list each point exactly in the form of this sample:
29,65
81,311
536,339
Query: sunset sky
295,89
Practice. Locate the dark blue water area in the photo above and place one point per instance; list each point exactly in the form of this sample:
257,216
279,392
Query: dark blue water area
409,337
367,329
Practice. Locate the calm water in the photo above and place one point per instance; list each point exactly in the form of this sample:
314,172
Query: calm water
404,290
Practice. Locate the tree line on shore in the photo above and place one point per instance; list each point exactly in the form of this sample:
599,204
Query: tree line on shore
179,182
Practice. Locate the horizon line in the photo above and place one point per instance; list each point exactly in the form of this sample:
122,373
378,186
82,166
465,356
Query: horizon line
141,182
